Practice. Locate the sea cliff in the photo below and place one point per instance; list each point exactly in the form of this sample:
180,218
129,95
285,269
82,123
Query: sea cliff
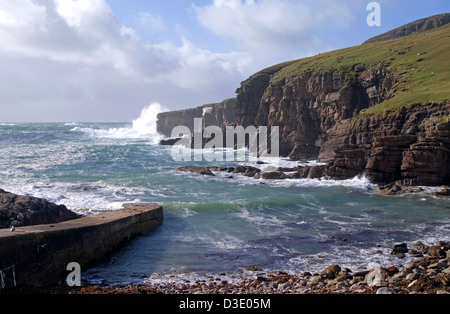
380,109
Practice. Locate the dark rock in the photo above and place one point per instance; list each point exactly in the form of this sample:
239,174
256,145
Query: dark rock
399,249
316,172
220,114
392,270
19,211
275,175
331,271
444,245
230,170
361,273
285,169
217,169
419,246
303,171
306,275
295,175
194,169
443,192
414,253
169,142
436,251
247,171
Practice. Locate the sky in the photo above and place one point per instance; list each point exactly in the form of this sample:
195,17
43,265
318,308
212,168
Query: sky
107,60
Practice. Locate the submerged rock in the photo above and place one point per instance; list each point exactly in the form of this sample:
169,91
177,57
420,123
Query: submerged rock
195,169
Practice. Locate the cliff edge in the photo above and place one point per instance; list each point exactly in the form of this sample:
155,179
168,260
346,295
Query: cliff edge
380,109
418,26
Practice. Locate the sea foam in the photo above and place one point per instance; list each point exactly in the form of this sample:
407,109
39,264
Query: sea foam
143,127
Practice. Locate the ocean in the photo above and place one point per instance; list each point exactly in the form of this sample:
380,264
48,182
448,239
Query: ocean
213,225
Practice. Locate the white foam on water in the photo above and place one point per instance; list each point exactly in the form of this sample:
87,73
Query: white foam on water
358,182
261,220
143,127
84,199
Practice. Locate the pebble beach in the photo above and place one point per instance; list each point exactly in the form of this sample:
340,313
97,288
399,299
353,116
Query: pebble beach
428,273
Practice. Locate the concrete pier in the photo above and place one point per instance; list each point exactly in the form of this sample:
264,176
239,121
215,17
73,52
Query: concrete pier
39,255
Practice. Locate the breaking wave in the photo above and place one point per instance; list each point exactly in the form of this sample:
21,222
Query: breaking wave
143,127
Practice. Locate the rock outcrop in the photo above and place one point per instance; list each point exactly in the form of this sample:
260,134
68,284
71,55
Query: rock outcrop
20,211
199,170
219,114
380,109
412,146
307,105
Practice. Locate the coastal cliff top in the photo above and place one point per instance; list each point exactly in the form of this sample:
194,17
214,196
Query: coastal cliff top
418,26
419,63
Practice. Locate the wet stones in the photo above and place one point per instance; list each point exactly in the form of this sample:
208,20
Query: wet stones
399,250
20,211
426,275
199,170
331,271
282,173
436,251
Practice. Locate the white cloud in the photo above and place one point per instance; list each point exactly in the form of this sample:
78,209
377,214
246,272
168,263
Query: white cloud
67,59
274,29
147,19
74,60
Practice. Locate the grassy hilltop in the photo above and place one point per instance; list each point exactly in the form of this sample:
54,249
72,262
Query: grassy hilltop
420,62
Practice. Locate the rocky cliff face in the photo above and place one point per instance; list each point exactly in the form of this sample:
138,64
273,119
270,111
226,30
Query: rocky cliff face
412,146
356,109
219,114
248,100
307,105
167,121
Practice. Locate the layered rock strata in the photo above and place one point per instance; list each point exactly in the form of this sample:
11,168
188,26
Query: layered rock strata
354,109
412,146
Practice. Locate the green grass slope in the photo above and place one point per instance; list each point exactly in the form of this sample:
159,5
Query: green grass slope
420,61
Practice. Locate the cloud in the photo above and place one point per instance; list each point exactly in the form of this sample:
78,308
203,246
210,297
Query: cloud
73,60
274,29
67,60
147,19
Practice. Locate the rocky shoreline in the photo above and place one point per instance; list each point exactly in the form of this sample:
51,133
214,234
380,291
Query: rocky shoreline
428,273
307,172
21,210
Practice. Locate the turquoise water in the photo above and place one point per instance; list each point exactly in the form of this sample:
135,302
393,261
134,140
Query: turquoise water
213,225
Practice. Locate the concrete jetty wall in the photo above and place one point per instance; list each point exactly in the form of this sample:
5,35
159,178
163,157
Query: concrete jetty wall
39,255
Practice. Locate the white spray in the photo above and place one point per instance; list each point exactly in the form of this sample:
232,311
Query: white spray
143,127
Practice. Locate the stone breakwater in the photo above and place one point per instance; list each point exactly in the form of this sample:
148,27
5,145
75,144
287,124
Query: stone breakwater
39,255
428,273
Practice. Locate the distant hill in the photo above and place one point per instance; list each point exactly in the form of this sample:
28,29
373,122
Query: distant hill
418,26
